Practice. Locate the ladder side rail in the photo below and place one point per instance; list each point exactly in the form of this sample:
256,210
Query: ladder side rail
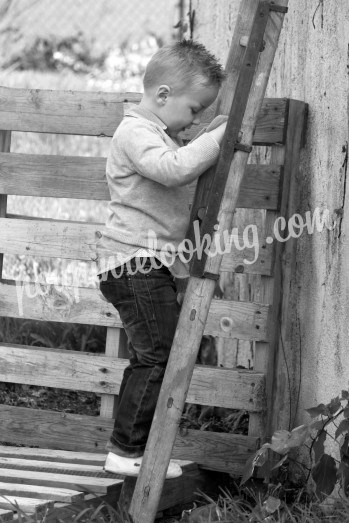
194,312
246,14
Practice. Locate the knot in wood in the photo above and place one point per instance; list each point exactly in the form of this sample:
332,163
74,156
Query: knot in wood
169,402
192,315
226,324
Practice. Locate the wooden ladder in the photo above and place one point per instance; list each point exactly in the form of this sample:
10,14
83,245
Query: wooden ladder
248,74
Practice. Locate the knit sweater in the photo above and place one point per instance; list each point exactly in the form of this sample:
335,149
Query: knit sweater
148,173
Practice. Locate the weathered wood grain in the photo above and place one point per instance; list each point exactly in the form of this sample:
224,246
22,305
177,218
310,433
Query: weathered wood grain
50,466
64,112
215,451
62,456
115,347
54,430
85,305
228,388
48,479
84,177
99,114
27,505
281,413
54,239
77,241
40,492
52,303
56,176
264,289
211,450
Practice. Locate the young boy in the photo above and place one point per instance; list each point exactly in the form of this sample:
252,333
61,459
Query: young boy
148,170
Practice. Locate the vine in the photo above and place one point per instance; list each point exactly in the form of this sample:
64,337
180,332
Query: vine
325,470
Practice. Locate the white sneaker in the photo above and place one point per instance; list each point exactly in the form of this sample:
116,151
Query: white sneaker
131,466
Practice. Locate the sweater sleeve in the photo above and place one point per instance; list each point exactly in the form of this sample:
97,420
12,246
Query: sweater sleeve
154,159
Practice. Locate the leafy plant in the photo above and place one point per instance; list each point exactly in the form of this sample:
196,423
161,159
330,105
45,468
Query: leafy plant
56,53
325,470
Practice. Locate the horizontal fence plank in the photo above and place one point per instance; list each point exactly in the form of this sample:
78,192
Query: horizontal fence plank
99,113
54,176
260,187
51,479
49,238
216,451
237,389
41,492
232,450
270,126
26,505
237,319
84,178
228,319
62,456
77,241
62,112
54,430
50,466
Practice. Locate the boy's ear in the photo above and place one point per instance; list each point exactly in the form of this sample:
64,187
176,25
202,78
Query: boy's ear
162,94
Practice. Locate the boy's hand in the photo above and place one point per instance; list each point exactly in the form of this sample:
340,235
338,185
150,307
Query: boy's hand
216,122
218,133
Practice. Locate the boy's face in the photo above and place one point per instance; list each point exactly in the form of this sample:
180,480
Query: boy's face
180,111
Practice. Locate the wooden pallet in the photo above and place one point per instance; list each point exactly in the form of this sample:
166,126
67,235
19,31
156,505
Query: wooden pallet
244,317
39,480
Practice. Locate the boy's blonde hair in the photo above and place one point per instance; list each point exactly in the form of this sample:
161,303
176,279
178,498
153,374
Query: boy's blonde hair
182,64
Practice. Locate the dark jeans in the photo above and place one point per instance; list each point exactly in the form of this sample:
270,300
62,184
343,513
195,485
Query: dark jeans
148,309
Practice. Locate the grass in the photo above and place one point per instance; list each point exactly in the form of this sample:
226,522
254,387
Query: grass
228,508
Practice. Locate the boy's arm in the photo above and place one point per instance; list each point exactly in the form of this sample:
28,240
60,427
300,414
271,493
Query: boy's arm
155,160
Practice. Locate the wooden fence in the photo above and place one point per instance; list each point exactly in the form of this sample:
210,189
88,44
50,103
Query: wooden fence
251,316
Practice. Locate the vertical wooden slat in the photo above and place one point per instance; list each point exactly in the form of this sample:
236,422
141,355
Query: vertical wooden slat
227,349
5,145
278,378
265,290
115,347
244,355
